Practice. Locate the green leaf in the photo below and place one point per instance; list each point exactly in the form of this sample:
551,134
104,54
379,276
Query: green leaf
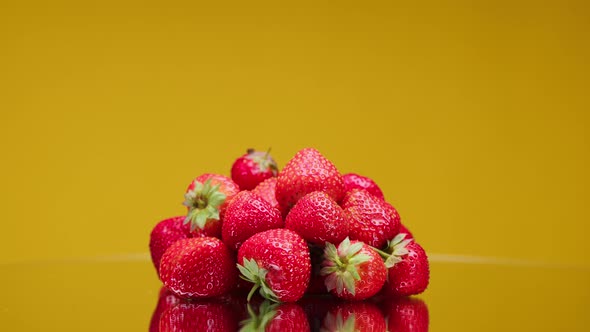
349,284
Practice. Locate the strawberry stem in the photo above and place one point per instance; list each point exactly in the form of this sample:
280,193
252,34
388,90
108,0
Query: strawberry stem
252,291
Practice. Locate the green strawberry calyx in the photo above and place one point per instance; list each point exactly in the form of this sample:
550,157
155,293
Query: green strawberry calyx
258,321
264,161
203,202
250,271
340,265
337,323
396,249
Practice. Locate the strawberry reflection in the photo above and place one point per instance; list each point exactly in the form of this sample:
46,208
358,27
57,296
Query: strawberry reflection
312,313
407,314
166,300
275,317
354,316
174,314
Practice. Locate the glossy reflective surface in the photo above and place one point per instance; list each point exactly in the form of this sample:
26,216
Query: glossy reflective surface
124,295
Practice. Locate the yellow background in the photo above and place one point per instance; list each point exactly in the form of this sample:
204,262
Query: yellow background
473,118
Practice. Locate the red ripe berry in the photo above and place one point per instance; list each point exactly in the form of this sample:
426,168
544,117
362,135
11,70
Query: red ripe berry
408,267
306,172
278,317
267,189
164,234
206,199
252,168
318,219
407,314
371,219
277,261
354,316
355,181
198,268
167,232
246,215
353,271
199,316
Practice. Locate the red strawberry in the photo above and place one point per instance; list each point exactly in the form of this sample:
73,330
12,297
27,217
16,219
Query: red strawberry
355,181
164,234
407,262
199,316
206,199
354,316
283,317
318,219
267,190
252,168
407,314
198,267
246,215
306,172
354,271
371,219
166,300
276,261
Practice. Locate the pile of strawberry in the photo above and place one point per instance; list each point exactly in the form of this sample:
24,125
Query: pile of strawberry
307,229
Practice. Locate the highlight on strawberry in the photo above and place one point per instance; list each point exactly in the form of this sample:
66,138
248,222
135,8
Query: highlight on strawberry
281,235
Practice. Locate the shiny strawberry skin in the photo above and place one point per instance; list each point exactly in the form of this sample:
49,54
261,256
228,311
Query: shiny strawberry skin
285,255
318,219
373,274
267,189
306,172
252,168
367,317
371,220
199,316
165,233
356,181
246,215
411,275
198,268
407,314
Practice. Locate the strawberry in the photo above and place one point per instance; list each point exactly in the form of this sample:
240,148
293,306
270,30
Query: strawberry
167,232
318,219
355,181
252,168
199,316
198,267
277,261
246,215
371,219
306,172
267,190
206,199
354,316
166,300
408,269
278,317
353,271
164,234
407,314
